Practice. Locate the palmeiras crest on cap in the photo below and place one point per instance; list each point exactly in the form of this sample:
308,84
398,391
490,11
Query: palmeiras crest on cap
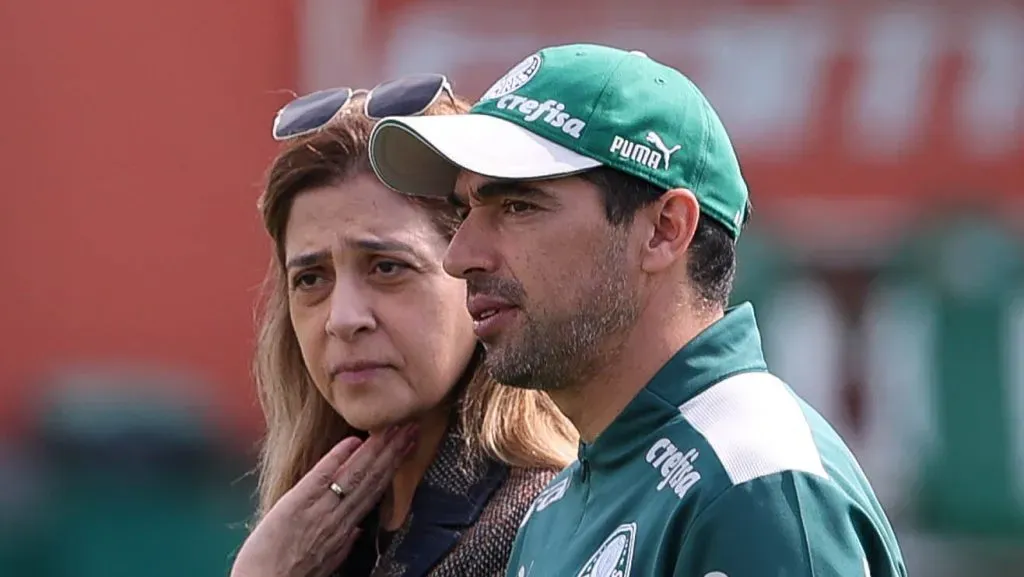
514,79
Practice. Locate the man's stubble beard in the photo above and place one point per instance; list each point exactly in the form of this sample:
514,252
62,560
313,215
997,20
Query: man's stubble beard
562,349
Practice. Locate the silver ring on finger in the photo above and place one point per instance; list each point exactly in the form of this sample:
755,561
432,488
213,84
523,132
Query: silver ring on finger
337,490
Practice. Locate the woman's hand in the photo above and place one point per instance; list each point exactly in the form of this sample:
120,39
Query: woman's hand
310,530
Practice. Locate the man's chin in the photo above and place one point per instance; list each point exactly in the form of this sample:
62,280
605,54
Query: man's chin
502,343
508,369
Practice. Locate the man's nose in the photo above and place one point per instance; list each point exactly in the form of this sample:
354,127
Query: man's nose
471,250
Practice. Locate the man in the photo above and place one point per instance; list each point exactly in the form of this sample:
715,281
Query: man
603,203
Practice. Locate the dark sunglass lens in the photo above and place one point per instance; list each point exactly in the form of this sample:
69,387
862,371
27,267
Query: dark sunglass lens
310,112
406,96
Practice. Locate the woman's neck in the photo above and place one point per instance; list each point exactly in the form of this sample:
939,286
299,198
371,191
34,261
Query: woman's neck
398,501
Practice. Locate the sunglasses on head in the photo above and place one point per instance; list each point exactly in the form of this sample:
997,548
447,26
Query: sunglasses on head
407,96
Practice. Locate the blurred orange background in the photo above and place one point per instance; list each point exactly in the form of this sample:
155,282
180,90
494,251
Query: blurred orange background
140,137
130,231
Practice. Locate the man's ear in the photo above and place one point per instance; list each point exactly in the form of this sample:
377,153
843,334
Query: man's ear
673,219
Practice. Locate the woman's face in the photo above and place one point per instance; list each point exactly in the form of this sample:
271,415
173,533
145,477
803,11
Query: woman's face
384,331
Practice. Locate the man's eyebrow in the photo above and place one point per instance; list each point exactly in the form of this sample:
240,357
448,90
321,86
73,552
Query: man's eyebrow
499,189
456,200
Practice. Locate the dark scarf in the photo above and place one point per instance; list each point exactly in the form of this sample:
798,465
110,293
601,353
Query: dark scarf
462,521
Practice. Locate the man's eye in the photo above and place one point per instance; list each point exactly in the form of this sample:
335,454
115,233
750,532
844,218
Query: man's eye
517,206
461,208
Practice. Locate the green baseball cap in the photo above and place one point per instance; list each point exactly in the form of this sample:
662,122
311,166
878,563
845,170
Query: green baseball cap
565,110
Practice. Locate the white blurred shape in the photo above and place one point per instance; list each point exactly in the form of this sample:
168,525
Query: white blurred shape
900,51
901,427
990,111
762,73
803,335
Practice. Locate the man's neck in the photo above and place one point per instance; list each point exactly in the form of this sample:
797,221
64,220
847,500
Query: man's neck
398,501
594,404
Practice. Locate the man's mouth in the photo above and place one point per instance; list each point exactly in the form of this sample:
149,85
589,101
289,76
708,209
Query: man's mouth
486,314
490,314
482,307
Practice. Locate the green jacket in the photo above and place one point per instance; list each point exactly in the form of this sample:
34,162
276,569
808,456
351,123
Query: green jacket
715,469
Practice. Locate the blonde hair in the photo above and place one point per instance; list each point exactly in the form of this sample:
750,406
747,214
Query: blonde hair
520,427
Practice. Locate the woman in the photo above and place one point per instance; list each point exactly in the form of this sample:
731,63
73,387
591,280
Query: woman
388,451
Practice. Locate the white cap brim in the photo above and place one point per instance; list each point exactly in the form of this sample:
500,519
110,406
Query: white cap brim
422,155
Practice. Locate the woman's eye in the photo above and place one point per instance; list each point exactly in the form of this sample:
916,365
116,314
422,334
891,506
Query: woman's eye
305,280
389,268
